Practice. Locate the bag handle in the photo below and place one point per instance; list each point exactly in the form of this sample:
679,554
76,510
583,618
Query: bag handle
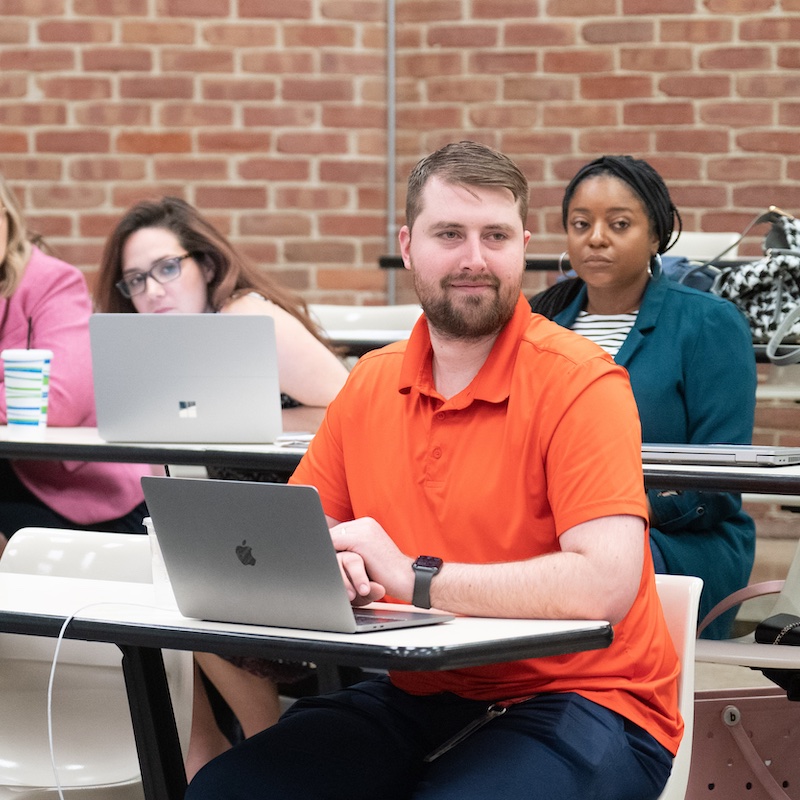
793,356
733,599
772,215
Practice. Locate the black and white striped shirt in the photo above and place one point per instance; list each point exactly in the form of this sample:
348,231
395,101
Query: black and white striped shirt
608,331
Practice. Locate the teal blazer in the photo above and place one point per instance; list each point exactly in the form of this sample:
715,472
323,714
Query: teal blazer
692,369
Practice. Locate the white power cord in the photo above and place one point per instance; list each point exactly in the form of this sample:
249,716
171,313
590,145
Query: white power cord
51,680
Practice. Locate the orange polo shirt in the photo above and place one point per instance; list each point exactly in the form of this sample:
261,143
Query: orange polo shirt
545,437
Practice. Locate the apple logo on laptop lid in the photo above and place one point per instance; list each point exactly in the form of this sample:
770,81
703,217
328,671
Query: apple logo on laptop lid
245,554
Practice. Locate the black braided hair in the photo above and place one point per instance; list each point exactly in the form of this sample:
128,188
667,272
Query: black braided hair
555,298
648,185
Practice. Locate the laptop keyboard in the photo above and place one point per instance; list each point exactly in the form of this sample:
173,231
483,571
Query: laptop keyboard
367,617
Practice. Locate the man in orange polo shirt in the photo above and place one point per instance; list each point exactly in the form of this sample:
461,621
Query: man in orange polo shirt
488,466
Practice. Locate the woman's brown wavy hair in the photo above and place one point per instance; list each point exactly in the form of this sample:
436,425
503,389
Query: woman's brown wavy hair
233,274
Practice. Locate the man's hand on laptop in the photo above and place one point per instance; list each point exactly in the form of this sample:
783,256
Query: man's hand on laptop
367,555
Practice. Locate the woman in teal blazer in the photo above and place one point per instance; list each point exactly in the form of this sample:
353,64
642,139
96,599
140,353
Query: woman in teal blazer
691,364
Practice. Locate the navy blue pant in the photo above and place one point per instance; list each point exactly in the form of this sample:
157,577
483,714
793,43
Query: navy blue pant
369,741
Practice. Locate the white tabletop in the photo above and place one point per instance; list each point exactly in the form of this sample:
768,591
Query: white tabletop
113,609
746,651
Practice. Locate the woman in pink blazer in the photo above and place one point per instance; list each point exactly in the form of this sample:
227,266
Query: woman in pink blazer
44,303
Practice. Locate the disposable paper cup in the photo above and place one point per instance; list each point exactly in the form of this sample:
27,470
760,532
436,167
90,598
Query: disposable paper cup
27,383
162,588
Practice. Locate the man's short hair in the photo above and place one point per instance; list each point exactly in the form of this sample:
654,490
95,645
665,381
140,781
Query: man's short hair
467,164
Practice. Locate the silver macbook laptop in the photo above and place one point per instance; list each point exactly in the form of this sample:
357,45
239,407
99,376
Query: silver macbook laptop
258,553
733,455
190,378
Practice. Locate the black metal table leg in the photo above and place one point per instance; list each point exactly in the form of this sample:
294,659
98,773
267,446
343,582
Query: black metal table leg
154,728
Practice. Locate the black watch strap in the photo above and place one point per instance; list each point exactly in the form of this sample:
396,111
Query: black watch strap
425,567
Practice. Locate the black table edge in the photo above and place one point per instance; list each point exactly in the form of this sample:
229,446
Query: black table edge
350,653
766,480
547,263
149,454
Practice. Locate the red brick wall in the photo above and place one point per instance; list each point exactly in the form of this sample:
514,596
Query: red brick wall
709,92
271,115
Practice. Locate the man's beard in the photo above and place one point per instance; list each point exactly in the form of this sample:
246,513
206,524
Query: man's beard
472,316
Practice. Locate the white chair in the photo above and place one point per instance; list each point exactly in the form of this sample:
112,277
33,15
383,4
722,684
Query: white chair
680,599
333,317
704,245
744,651
92,733
362,328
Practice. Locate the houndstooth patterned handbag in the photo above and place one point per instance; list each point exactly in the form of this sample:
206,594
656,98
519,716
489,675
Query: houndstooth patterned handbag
767,291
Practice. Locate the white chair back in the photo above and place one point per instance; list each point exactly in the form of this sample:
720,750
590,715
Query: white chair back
333,317
680,599
788,601
91,718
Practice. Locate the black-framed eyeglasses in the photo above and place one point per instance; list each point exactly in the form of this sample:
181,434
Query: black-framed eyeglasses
164,271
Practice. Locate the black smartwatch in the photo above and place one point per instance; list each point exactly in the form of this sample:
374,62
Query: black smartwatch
425,567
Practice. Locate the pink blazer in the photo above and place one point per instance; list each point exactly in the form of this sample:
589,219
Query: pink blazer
54,297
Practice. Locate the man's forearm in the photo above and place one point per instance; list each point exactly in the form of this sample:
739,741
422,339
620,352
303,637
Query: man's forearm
598,583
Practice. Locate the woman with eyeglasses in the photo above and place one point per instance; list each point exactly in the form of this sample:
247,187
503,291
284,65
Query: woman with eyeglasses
44,303
164,257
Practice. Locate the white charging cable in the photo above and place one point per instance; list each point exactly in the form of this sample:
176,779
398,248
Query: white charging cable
51,680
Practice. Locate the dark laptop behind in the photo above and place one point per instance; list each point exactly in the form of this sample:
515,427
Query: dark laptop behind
732,455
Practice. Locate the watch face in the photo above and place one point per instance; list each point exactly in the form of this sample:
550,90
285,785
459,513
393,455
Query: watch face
428,562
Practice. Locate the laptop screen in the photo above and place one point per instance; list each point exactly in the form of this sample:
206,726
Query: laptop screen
192,378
